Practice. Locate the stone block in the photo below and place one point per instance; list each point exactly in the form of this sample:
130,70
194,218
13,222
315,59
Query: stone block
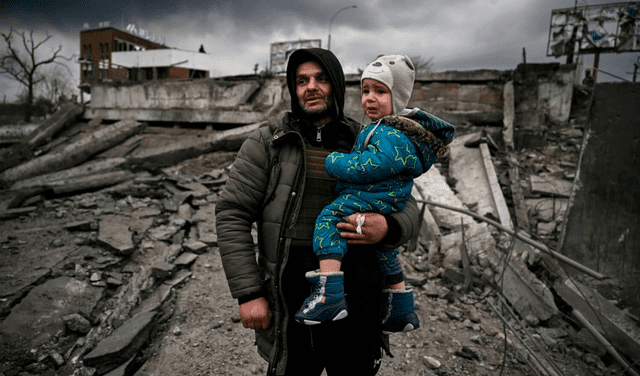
122,344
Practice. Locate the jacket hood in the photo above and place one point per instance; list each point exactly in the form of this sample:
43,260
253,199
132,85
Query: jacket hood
428,132
332,67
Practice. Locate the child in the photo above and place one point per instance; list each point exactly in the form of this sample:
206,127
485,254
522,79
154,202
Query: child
377,176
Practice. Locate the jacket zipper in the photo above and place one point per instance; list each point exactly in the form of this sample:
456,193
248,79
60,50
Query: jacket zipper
290,218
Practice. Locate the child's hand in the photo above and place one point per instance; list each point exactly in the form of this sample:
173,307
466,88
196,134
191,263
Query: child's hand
374,228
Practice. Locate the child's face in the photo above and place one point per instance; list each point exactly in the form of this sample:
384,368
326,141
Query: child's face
376,99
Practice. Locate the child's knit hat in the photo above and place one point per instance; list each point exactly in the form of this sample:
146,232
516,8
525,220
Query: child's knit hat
397,73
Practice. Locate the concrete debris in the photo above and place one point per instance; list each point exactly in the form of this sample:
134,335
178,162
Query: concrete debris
122,344
431,362
163,270
52,300
433,187
478,238
180,277
185,259
466,166
77,323
195,246
74,153
115,234
550,186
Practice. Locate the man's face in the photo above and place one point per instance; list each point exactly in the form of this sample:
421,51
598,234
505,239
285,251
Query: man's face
313,90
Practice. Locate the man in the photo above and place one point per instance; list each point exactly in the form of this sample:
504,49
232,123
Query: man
278,180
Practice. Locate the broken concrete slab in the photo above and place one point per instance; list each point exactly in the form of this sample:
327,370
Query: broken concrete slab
166,232
13,213
587,342
39,316
208,100
196,189
89,168
174,251
74,153
547,228
89,257
195,246
75,322
185,211
621,331
88,225
17,154
547,209
124,369
478,239
430,234
496,191
122,344
96,181
178,151
54,124
155,300
467,167
163,270
114,233
205,218
433,186
18,273
509,114
181,276
173,203
550,185
185,259
527,294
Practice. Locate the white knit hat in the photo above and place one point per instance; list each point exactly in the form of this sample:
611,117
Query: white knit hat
397,73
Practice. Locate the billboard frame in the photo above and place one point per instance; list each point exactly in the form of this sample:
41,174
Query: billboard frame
578,28
280,52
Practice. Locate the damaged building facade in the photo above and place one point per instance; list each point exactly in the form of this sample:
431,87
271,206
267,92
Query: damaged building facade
110,55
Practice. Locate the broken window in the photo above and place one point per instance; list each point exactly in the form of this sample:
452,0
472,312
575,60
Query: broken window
193,73
163,73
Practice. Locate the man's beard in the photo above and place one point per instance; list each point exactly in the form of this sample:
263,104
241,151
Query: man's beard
322,113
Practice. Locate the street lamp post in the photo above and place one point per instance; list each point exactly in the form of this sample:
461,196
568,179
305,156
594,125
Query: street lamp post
331,23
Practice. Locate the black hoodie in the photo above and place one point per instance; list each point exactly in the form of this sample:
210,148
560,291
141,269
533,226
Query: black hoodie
332,67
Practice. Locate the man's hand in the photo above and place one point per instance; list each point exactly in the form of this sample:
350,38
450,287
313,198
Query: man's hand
255,314
374,228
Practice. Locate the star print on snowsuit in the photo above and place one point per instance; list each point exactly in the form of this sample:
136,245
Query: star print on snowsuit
377,176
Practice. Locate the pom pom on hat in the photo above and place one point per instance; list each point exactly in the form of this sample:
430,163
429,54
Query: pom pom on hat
397,73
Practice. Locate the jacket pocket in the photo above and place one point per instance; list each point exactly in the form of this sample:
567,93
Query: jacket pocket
274,174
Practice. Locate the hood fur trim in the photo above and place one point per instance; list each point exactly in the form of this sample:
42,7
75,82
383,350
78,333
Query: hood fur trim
417,133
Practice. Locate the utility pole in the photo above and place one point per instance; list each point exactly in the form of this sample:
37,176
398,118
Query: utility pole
331,23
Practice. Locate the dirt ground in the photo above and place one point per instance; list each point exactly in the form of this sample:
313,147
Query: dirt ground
202,333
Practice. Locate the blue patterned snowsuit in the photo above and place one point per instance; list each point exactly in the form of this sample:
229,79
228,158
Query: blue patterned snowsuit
377,176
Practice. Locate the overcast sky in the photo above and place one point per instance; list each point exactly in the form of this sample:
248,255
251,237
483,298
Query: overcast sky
457,34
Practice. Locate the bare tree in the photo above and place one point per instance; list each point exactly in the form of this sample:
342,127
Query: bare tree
21,64
55,85
421,64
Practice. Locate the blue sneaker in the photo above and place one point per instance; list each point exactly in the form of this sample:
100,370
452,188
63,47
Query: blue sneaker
329,286
402,315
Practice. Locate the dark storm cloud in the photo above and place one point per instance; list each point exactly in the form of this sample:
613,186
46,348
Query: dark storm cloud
457,34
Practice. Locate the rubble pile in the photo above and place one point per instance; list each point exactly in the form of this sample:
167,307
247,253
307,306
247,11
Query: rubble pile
92,261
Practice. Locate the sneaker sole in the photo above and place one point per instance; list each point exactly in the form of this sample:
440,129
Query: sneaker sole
407,328
341,315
